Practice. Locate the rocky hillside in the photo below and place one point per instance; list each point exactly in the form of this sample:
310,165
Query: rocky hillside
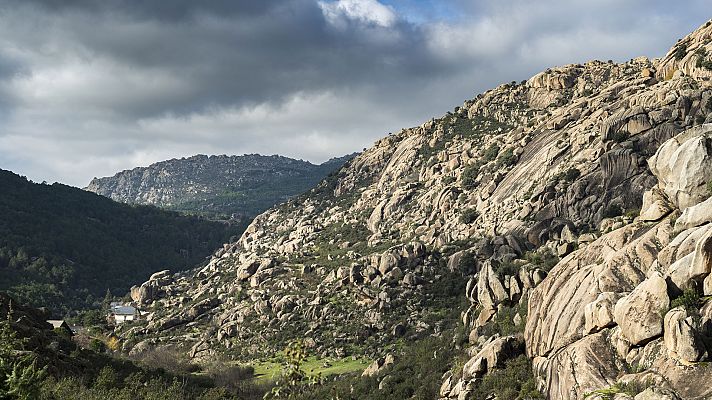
215,186
599,170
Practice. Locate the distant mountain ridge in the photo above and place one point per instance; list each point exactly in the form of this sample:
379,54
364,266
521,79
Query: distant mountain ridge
216,186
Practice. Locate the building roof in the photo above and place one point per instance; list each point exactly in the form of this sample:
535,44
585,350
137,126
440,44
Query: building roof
124,310
57,323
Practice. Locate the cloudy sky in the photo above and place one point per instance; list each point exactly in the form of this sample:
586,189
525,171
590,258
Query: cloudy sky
88,87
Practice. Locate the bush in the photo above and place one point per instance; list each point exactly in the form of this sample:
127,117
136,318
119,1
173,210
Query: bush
168,359
613,210
491,153
680,51
507,158
503,322
20,377
468,179
620,136
689,299
543,259
469,215
97,345
702,60
515,381
416,374
505,268
571,174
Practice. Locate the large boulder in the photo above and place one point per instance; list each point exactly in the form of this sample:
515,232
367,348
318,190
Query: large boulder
683,166
655,205
599,313
696,215
493,355
682,337
490,289
638,314
578,369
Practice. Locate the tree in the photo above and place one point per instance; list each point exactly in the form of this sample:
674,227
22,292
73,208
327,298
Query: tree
293,380
20,378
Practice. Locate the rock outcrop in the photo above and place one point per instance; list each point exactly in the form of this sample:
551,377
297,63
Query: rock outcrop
570,209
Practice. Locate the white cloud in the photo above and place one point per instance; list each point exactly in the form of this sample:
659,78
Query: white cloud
364,11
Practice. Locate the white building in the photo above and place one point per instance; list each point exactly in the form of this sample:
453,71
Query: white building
121,313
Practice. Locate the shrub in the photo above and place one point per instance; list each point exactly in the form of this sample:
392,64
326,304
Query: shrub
468,179
515,381
97,345
613,210
293,381
168,359
702,60
503,322
620,136
469,215
416,374
680,51
689,299
507,158
571,174
505,268
544,259
491,153
20,377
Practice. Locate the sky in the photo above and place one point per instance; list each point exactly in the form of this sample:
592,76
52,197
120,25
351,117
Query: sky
89,88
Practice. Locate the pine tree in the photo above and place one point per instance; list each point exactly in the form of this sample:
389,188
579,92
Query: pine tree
20,378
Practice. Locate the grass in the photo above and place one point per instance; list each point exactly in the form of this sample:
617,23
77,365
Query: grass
270,370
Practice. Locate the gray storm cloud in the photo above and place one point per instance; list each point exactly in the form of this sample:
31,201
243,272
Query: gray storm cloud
88,88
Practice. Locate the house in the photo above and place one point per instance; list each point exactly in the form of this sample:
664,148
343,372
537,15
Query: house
60,325
122,313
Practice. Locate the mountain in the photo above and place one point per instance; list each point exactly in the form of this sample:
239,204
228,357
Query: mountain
63,248
215,186
549,238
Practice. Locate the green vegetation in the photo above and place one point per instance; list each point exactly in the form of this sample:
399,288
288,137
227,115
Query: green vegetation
611,392
503,322
680,51
504,268
506,158
468,179
571,174
20,377
702,60
545,260
415,375
619,136
515,381
469,215
490,153
294,380
267,371
689,299
38,363
613,210
62,247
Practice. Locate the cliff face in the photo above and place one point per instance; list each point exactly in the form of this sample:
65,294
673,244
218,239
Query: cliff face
604,165
215,185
